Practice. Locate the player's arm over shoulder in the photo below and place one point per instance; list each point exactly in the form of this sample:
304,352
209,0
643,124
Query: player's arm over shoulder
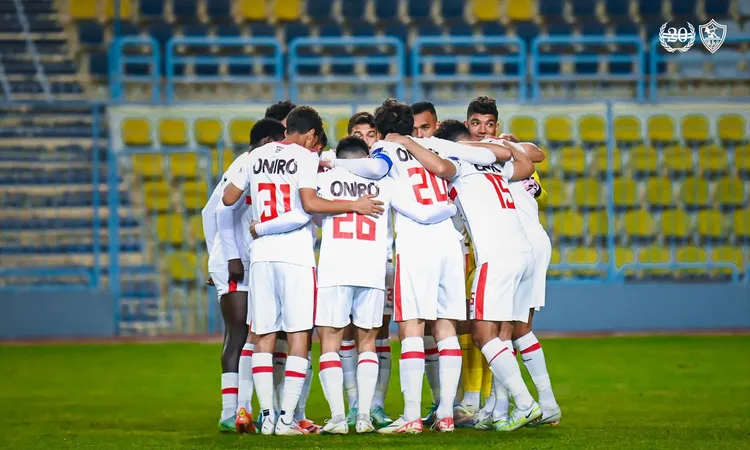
238,180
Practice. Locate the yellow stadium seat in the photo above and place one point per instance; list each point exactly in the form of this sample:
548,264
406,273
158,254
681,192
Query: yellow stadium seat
625,194
486,10
557,194
253,10
195,194
207,131
592,129
182,266
219,167
239,131
588,194
543,220
572,161
196,229
84,9
173,132
287,10
126,8
654,254
597,226
521,10
675,225
695,128
601,161
524,127
148,165
659,193
713,160
170,228
156,196
183,165
710,225
742,160
639,226
694,193
731,128
660,128
584,255
342,125
558,129
728,254
555,260
643,161
625,255
730,193
678,160
543,168
741,225
136,131
568,226
627,129
692,255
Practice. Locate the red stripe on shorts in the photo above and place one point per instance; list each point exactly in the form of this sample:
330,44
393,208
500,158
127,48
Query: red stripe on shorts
479,297
329,364
367,361
246,353
232,286
498,354
531,348
315,295
384,349
291,373
397,317
412,355
230,390
451,352
263,369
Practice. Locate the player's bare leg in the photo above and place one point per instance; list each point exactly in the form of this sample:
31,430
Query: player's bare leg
280,351
332,378
234,311
449,350
294,380
367,376
383,349
505,368
532,355
348,353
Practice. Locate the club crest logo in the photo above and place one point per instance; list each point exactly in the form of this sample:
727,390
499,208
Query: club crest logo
677,39
712,35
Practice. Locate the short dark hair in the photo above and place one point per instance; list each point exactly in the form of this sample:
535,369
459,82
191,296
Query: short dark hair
482,105
452,130
303,119
420,107
280,110
351,145
323,139
360,118
265,128
394,117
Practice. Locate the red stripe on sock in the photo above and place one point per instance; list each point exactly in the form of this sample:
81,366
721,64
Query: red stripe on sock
431,351
367,361
290,373
279,355
246,353
231,390
383,349
451,352
498,354
531,348
263,369
412,355
346,348
329,364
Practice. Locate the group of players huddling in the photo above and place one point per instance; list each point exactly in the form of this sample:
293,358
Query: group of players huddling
399,173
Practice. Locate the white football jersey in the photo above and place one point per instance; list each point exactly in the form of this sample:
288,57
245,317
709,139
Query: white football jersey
274,174
354,248
489,209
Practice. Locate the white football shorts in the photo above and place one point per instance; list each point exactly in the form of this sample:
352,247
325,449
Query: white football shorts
542,255
389,271
224,286
284,297
337,303
429,281
496,294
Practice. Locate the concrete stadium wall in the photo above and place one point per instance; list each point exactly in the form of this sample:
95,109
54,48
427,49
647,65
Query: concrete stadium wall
56,314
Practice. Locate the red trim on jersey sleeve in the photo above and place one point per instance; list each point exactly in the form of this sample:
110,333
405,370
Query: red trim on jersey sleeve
397,317
248,200
453,194
479,297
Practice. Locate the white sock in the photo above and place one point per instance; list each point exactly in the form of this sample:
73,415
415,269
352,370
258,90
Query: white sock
501,400
279,366
489,402
384,372
245,394
505,367
229,394
412,373
432,368
471,399
450,372
294,379
263,379
332,379
299,413
348,356
367,378
533,358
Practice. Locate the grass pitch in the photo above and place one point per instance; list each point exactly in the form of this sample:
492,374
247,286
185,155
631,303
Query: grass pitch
616,393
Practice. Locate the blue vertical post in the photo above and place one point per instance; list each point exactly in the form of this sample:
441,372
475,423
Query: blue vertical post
113,224
610,115
95,181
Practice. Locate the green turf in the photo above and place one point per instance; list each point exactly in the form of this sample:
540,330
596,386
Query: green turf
616,393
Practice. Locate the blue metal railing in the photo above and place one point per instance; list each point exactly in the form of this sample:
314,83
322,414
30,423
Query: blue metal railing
119,61
176,62
393,56
418,60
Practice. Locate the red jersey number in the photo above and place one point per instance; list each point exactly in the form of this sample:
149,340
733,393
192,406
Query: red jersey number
362,227
270,209
439,186
502,191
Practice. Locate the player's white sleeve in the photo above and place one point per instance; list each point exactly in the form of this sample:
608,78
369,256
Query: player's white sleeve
227,238
308,172
240,177
423,213
208,213
286,222
508,170
473,155
373,168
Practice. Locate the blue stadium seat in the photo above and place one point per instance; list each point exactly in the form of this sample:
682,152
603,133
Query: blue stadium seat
90,33
551,10
593,28
397,30
195,30
11,25
549,68
262,29
492,29
44,25
161,31
652,30
584,10
727,66
661,66
319,9
452,9
59,68
240,69
386,9
418,9
294,30
650,11
684,8
151,8
98,64
227,30
460,28
361,28
586,68
720,8
128,28
218,9
627,29
428,29
526,30
620,68
353,10
206,69
618,10
330,29
185,9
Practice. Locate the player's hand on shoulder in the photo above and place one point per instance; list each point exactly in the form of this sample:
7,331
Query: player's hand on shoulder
252,229
396,138
325,164
236,270
368,206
